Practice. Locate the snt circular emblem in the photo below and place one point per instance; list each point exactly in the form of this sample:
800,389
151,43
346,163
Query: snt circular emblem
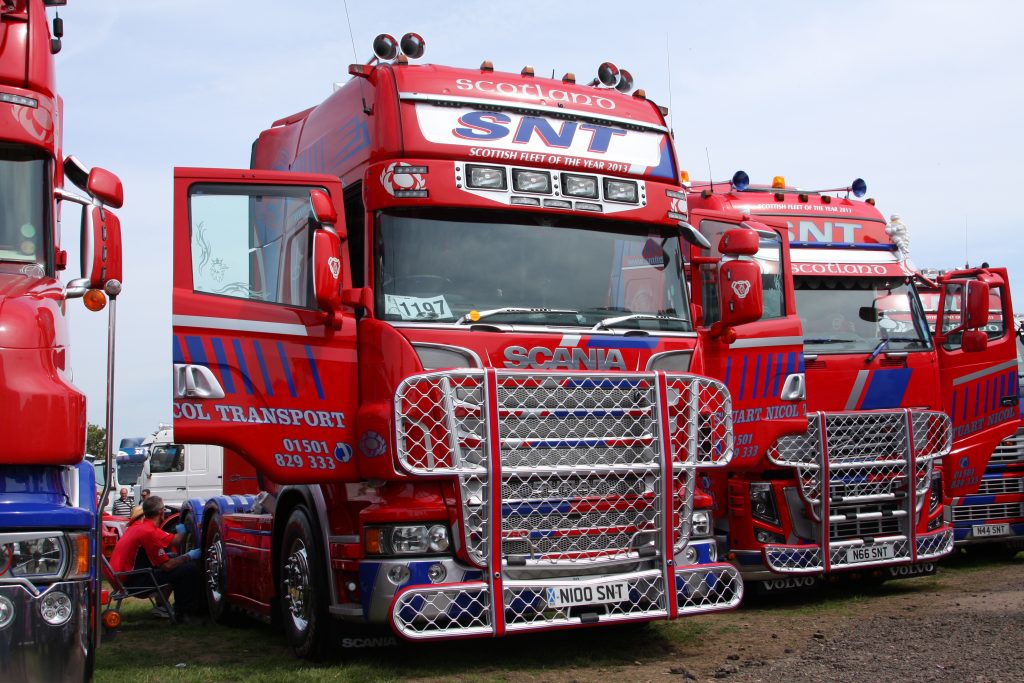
342,452
372,444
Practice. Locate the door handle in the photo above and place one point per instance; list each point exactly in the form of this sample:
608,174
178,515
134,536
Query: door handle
196,381
794,388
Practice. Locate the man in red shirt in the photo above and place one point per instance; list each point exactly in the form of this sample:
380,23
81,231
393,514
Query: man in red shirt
144,544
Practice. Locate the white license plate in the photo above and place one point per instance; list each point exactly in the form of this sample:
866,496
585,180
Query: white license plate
572,595
982,530
871,553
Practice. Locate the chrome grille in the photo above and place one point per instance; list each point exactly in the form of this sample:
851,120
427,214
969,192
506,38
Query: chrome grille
1010,450
1001,485
973,513
878,466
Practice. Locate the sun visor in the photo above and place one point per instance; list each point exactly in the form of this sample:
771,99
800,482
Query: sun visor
852,262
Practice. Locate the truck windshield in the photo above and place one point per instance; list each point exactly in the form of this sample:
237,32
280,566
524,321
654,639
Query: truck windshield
24,205
854,315
128,472
573,271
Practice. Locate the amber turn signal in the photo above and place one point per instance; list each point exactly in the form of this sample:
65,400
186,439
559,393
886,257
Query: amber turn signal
95,300
111,619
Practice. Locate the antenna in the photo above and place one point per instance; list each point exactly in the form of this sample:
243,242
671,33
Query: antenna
967,263
355,55
711,178
668,63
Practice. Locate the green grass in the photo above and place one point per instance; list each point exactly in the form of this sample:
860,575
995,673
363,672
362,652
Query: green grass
148,650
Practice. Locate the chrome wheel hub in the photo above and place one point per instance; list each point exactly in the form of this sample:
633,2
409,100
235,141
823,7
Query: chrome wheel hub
298,585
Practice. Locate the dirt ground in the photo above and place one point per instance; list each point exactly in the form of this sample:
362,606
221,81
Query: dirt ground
964,624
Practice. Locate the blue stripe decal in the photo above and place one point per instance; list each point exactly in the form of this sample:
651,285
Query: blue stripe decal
757,377
316,373
176,353
978,500
963,411
287,370
790,362
977,398
242,366
222,363
801,365
728,369
886,389
606,342
952,408
263,368
988,393
743,377
196,352
778,375
768,375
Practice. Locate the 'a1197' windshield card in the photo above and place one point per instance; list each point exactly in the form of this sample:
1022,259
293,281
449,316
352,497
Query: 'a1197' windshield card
417,308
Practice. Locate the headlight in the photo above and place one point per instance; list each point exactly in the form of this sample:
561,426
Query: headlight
701,523
531,181
620,191
579,185
936,492
407,539
56,608
762,502
33,555
6,612
486,177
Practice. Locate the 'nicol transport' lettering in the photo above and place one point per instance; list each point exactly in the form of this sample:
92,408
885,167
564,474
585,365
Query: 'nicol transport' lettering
287,417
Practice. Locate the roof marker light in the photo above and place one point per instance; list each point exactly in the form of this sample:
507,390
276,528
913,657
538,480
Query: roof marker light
684,177
779,196
385,47
625,83
859,187
740,181
640,94
413,45
527,71
803,196
487,65
569,77
608,74
778,183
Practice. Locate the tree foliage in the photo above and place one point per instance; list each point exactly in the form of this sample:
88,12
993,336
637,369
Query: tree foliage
96,441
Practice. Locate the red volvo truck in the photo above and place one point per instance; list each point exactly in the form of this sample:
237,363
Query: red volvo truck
987,496
861,491
472,402
49,592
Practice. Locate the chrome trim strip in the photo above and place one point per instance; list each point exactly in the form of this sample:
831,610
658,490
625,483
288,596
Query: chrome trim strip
758,342
987,371
579,331
858,389
529,107
239,325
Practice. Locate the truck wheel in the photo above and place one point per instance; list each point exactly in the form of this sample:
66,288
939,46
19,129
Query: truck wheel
215,573
303,589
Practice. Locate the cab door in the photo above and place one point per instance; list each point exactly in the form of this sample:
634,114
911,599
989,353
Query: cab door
258,367
763,366
978,388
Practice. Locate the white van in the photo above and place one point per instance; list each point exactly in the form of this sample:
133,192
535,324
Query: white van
176,471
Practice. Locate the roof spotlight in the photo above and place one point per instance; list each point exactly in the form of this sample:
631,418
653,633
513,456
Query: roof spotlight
385,47
740,181
608,74
859,187
625,83
413,45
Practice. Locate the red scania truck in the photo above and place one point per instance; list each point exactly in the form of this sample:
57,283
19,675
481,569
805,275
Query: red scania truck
495,423
49,591
862,490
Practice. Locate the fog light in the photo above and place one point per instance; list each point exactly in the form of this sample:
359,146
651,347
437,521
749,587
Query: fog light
6,612
398,574
56,608
531,181
437,573
690,555
621,191
579,186
437,538
486,177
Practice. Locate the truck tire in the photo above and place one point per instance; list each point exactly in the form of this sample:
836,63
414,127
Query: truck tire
302,589
215,573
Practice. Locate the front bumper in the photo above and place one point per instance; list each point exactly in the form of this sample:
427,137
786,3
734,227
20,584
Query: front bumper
462,610
33,650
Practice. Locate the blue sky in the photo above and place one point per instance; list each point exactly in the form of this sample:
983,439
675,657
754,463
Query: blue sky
922,99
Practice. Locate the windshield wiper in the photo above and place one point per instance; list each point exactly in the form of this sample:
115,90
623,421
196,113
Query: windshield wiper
879,347
607,323
512,309
827,340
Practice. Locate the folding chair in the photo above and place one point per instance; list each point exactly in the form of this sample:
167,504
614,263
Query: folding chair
151,588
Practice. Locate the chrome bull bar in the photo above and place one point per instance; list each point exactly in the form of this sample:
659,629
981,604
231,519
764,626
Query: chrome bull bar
564,478
863,476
